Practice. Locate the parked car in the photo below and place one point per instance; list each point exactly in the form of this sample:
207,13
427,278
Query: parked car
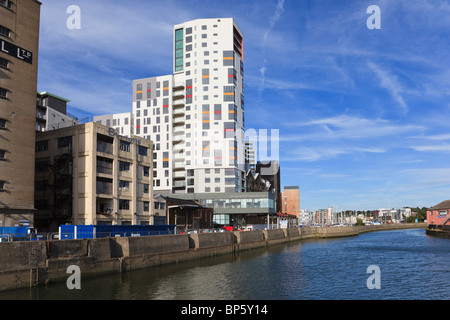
229,228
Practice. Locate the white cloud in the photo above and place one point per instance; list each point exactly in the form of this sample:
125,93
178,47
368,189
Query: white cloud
351,127
437,148
390,83
272,22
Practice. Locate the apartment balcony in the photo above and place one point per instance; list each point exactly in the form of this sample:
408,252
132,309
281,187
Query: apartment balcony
178,122
179,157
179,184
179,175
179,112
178,86
178,104
178,136
178,166
178,95
178,149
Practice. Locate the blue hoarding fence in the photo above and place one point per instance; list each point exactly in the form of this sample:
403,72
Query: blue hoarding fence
67,232
17,234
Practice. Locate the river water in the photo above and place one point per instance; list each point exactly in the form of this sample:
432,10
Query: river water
412,266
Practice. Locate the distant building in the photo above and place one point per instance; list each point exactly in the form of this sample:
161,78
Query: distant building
321,217
51,112
392,215
88,174
255,183
270,171
250,157
123,123
19,47
305,217
291,201
439,214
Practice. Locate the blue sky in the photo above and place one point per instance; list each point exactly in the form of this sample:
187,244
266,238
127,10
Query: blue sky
363,115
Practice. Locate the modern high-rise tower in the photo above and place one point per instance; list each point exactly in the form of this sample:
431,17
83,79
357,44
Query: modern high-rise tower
195,116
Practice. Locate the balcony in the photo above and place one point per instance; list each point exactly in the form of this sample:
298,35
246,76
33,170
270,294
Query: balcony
179,112
178,166
179,184
179,157
178,96
178,122
179,175
178,136
176,86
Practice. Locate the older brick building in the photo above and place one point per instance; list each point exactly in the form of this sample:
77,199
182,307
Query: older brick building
19,46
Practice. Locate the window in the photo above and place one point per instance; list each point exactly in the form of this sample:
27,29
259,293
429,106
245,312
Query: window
4,63
2,124
206,117
228,93
146,188
124,204
6,3
142,150
217,112
146,206
139,91
5,31
124,166
3,93
124,185
2,155
228,58
205,76
2,186
232,112
179,52
124,146
41,146
146,171
64,142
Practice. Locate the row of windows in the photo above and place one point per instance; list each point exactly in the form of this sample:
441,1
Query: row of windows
125,205
140,90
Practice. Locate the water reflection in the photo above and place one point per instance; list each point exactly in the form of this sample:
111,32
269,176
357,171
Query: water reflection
413,266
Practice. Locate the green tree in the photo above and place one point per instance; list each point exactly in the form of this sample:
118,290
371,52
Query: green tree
359,222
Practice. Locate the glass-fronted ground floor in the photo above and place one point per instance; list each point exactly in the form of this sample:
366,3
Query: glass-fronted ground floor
238,209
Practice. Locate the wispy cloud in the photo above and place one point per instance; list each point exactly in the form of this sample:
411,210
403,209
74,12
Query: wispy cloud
351,127
390,83
437,148
272,22
321,152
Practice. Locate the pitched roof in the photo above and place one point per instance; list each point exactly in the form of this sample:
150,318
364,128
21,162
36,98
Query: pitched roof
182,202
443,205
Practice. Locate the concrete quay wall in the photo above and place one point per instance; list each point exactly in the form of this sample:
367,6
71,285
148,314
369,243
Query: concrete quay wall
28,264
